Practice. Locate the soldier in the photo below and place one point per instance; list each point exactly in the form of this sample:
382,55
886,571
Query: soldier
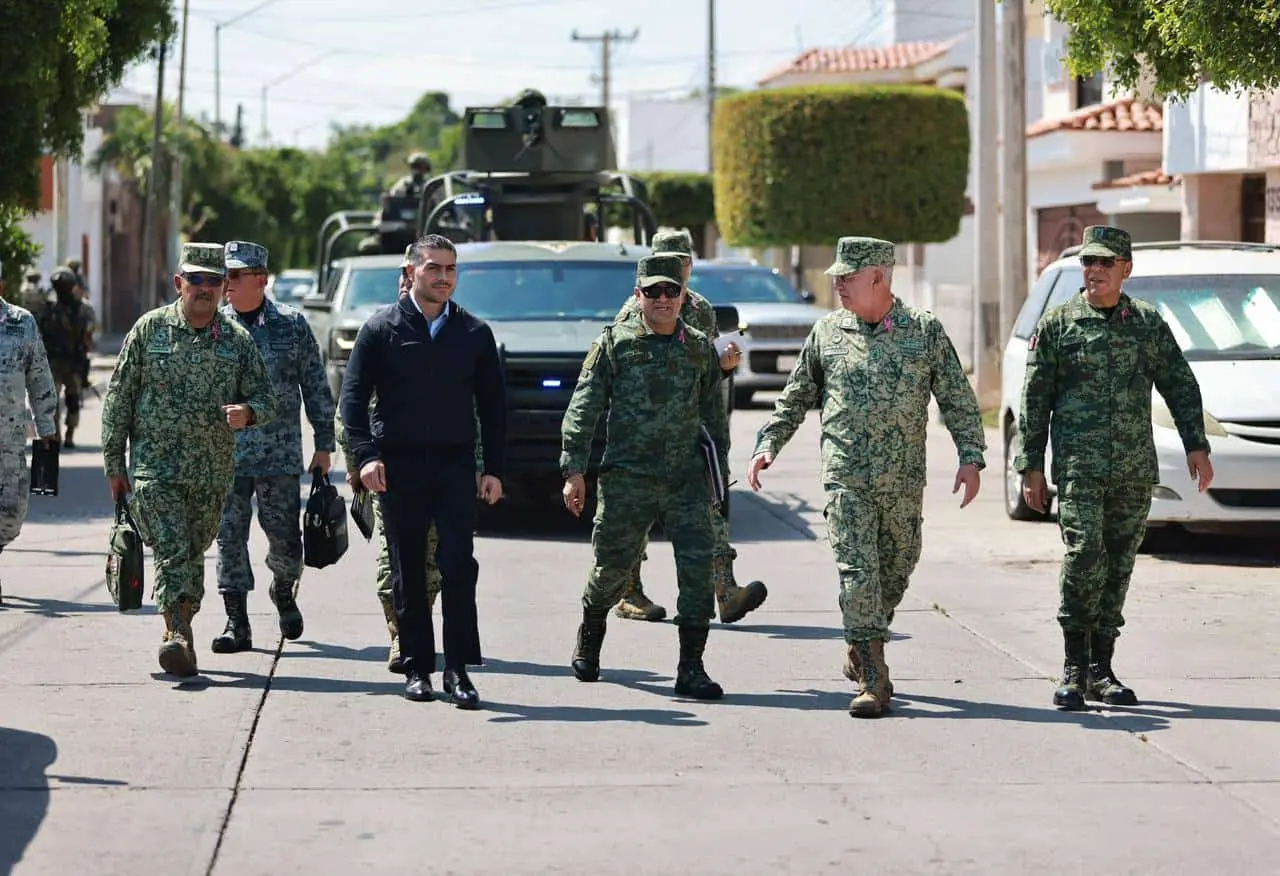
873,367
657,377
25,378
31,296
411,184
186,379
1091,364
734,602
269,458
66,330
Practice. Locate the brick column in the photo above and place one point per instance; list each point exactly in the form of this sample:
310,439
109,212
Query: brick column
1211,206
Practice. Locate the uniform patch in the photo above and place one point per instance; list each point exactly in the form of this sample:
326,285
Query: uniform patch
225,351
593,356
912,346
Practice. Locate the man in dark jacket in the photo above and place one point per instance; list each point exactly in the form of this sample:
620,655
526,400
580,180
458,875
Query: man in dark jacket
433,366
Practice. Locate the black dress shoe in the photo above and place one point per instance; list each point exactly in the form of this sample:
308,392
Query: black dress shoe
418,687
462,693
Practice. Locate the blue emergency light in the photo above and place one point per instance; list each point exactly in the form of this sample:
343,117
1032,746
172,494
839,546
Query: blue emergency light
552,383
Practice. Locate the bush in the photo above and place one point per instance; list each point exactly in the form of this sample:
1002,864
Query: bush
680,200
807,165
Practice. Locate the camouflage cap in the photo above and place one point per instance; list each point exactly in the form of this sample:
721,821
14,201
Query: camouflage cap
1106,241
672,243
73,262
205,258
855,253
241,254
408,256
418,158
654,269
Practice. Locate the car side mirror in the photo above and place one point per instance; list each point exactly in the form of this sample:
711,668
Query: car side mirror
727,319
314,302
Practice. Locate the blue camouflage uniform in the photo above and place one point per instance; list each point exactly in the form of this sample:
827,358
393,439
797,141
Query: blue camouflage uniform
269,458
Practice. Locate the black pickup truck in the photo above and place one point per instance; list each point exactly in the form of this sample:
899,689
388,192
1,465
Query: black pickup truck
546,303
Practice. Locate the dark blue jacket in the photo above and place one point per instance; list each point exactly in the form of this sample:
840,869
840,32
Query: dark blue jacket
429,390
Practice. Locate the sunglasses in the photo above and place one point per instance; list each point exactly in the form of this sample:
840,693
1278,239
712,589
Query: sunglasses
1105,261
661,290
202,279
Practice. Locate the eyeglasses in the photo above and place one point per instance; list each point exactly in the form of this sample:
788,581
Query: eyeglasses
202,279
1105,261
661,290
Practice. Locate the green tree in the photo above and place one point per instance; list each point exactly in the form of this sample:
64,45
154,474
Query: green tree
1179,43
56,59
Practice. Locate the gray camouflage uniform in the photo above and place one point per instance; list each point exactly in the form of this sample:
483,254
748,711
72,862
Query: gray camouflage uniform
269,458
24,375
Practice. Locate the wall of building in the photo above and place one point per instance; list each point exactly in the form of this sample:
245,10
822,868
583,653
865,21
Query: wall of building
1211,206
1207,133
662,135
1148,227
1273,205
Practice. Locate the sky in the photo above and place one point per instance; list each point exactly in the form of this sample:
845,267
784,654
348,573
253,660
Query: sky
367,61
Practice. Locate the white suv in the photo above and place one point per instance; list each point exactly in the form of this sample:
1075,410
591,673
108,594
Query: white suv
1222,301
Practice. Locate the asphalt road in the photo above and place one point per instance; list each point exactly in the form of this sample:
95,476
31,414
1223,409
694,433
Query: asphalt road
305,758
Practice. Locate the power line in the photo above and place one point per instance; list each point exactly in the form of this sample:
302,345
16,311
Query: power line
606,40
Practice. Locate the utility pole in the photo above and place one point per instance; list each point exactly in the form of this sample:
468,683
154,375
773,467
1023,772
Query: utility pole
175,178
217,58
1014,275
606,40
986,265
146,297
711,80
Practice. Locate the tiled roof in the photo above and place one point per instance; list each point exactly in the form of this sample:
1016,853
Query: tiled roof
1146,178
1128,115
899,56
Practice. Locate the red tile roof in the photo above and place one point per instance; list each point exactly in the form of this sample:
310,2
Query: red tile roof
1146,178
1128,115
899,56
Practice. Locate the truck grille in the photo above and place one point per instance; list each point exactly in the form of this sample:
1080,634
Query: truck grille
538,392
1246,498
796,332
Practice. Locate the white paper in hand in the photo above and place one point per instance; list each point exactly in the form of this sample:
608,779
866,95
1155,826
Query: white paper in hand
722,342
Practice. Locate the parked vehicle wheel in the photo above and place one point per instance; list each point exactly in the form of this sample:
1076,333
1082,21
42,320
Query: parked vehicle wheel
1014,505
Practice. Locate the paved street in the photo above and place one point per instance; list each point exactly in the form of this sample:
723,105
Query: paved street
305,759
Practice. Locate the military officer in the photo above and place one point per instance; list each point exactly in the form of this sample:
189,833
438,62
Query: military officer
659,380
187,378
25,378
269,457
733,602
873,365
1091,364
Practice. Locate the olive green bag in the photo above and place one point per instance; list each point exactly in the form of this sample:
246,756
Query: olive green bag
125,570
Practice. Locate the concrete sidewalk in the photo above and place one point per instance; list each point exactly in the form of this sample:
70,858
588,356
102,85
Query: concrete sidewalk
305,759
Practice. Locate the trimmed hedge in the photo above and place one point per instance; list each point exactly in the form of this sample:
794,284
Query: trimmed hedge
682,200
807,165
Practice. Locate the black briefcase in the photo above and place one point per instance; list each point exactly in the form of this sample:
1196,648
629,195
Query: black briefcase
44,468
324,524
125,568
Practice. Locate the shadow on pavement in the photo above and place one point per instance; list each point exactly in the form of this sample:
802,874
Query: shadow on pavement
82,493
512,714
1091,718
53,608
788,509
24,790
785,631
210,678
1195,712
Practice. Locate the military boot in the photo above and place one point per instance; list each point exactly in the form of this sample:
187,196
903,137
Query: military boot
1075,670
870,673
237,636
176,655
283,594
634,605
851,672
1103,685
393,654
586,653
691,677
732,601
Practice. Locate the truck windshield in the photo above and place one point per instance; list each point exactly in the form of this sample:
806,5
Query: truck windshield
743,286
539,290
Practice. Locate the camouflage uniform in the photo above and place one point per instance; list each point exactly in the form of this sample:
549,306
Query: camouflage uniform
269,460
657,390
165,400
1088,381
24,377
733,602
411,184
30,295
66,326
874,383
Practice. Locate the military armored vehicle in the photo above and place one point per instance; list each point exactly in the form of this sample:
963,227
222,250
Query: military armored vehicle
528,262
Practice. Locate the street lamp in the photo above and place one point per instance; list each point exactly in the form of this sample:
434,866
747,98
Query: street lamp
295,71
217,60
